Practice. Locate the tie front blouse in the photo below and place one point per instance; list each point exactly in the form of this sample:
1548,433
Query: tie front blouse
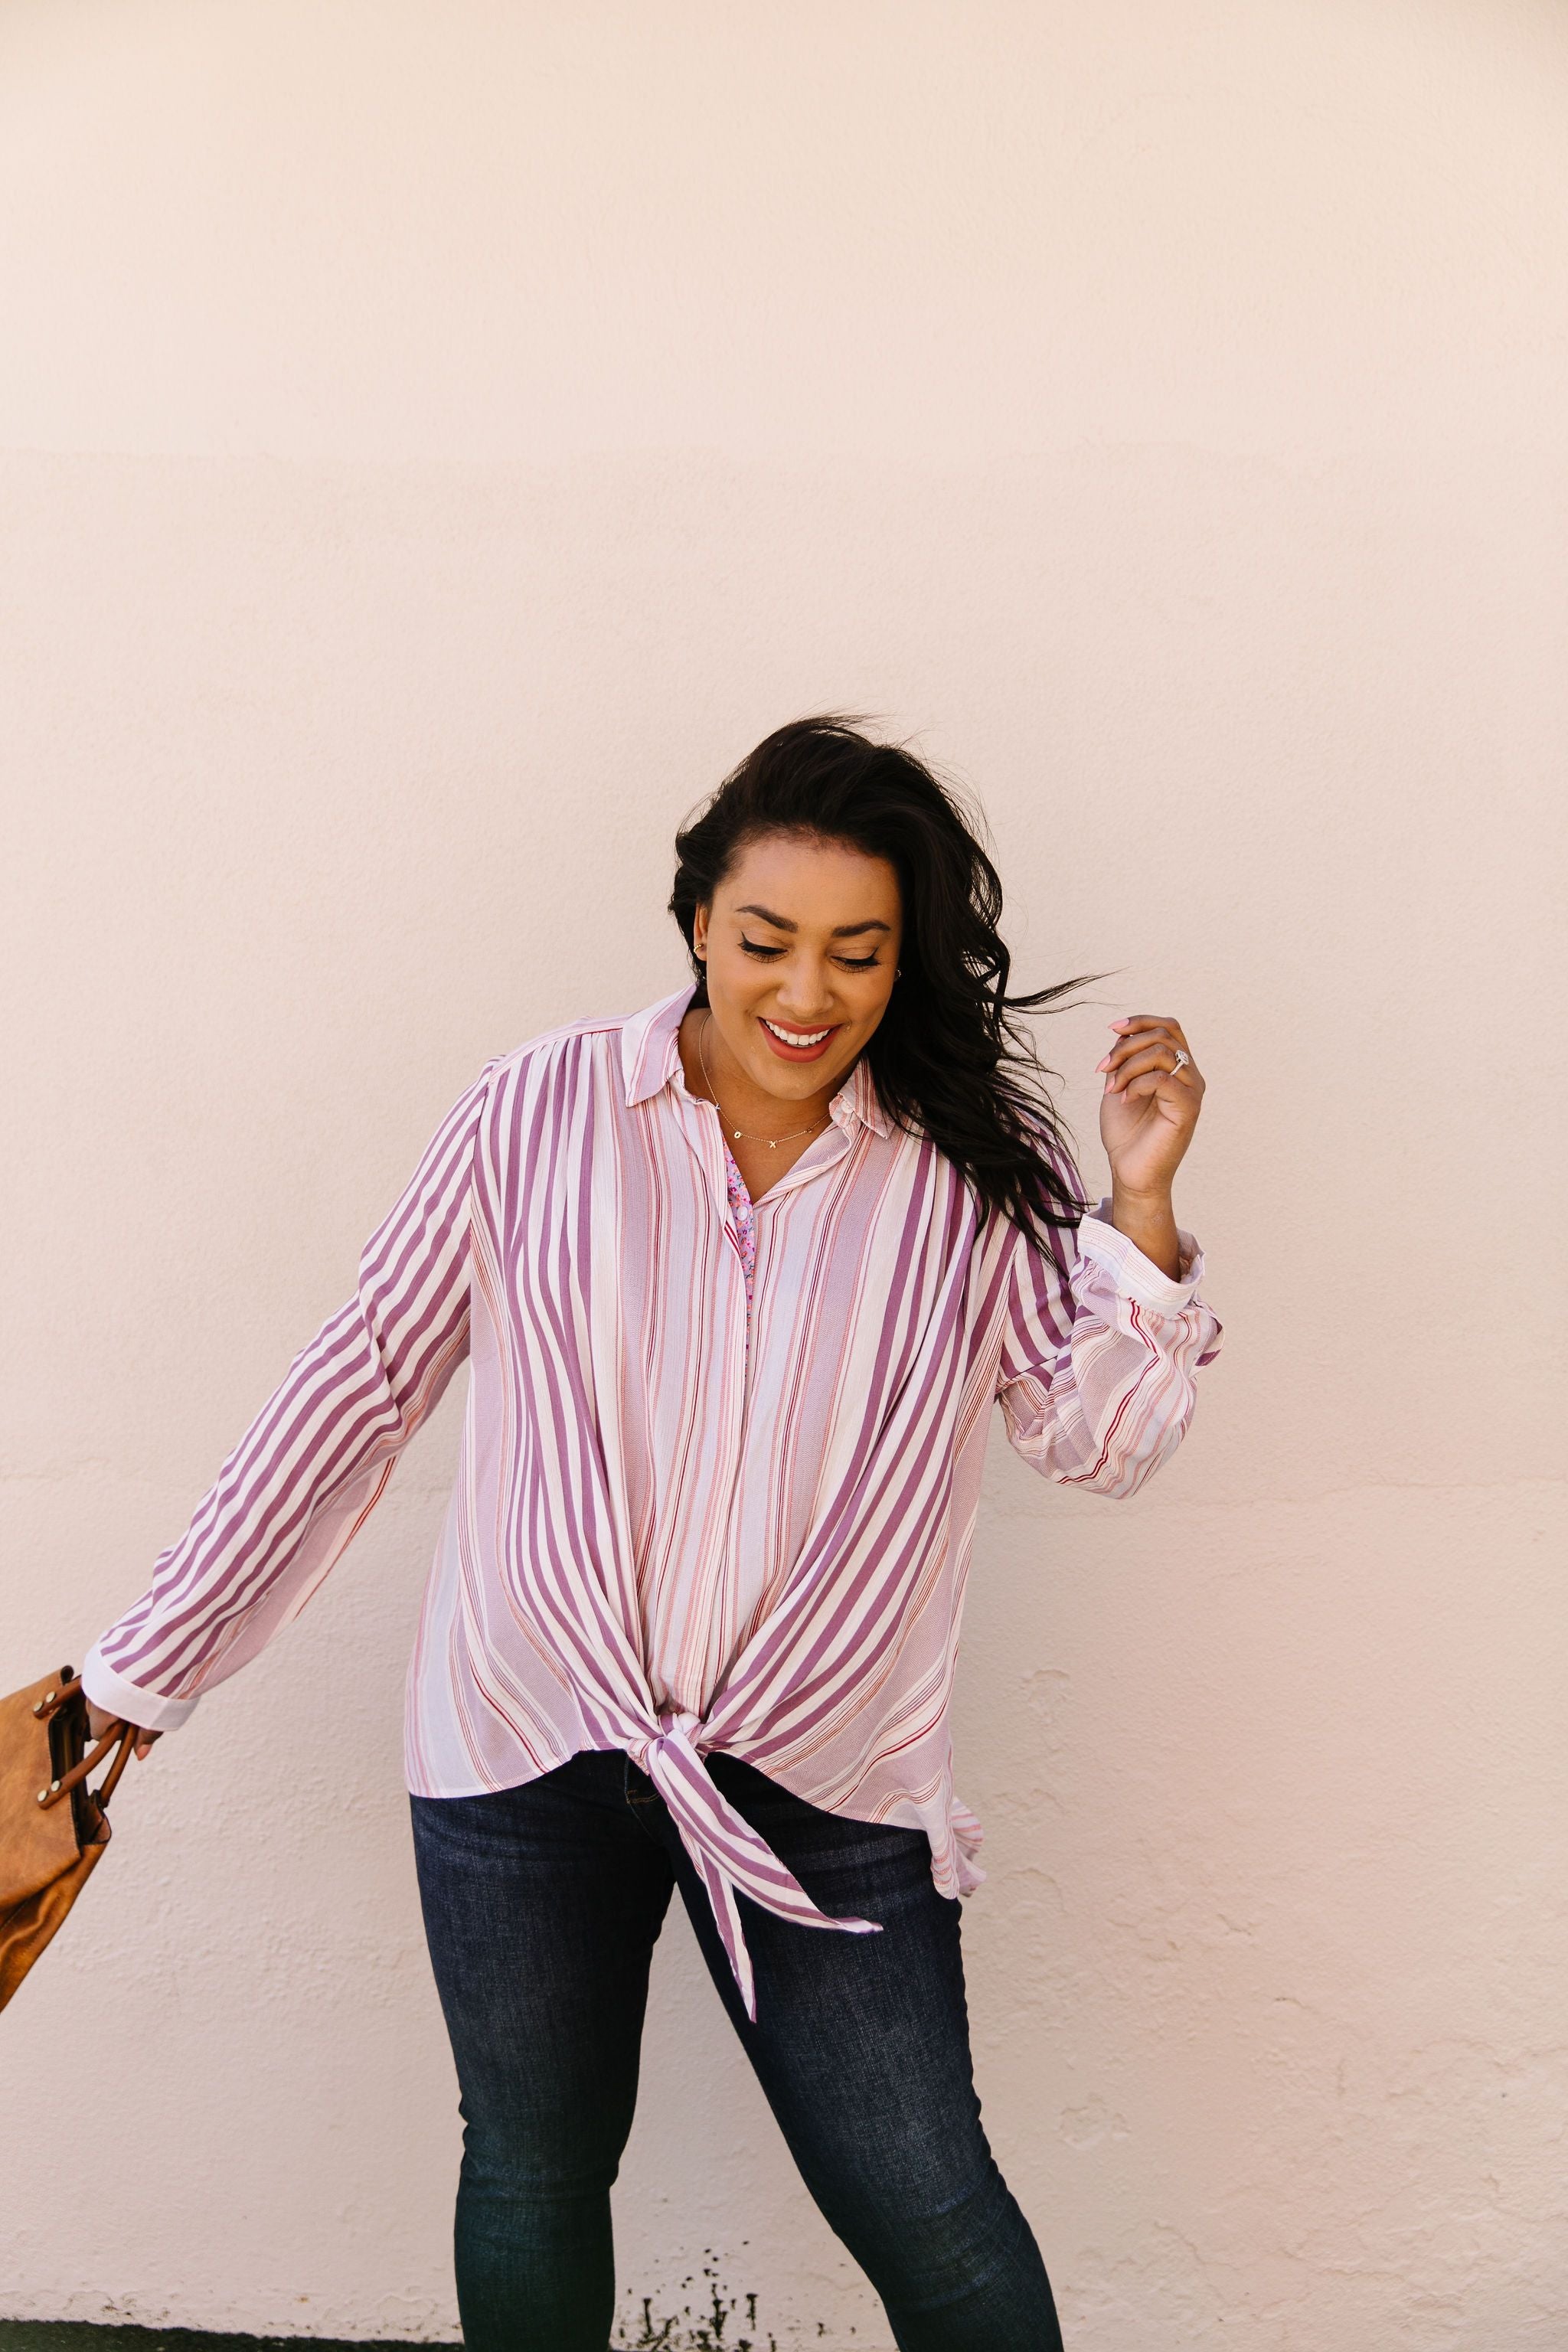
716,1488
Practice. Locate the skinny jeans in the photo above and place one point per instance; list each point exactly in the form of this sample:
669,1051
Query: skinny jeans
542,1906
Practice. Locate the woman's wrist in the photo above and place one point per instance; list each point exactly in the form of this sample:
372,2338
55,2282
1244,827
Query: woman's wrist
1149,1222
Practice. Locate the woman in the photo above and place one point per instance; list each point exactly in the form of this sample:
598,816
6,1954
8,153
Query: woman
739,1277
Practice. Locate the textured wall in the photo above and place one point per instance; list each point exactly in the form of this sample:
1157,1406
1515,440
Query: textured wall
434,443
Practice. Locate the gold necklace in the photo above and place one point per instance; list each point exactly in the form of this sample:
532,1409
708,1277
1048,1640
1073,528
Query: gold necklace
772,1141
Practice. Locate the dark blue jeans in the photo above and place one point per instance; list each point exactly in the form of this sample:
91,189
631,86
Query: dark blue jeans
542,1905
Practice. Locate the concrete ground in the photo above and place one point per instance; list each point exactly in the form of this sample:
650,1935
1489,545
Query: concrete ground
80,2336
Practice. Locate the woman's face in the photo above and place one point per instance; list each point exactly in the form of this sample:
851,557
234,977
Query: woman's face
800,942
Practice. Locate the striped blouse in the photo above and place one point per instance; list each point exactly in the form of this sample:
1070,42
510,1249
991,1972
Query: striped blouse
701,1505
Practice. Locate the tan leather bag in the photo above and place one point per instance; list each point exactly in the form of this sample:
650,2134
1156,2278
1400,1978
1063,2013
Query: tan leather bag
53,1827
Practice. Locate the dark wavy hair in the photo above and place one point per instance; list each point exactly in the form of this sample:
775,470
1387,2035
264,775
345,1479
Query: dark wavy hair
949,1055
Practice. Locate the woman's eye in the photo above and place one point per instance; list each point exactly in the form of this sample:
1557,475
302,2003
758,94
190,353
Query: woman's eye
850,964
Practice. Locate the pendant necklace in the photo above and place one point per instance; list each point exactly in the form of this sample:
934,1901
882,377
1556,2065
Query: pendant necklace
772,1141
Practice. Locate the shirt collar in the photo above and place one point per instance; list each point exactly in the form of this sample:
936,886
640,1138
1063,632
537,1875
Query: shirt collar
650,1056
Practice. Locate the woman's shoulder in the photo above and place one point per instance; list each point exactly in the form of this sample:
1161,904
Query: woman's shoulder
552,1045
586,1053
635,1044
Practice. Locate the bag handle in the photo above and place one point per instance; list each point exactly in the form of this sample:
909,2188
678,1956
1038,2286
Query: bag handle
121,1736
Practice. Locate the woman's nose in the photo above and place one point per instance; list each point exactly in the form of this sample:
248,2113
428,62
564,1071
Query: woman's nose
804,1001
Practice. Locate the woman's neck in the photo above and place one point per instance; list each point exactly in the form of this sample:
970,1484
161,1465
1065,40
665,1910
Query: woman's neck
772,1131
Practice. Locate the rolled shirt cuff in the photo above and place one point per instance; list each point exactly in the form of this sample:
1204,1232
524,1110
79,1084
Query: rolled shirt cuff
1133,1273
115,1696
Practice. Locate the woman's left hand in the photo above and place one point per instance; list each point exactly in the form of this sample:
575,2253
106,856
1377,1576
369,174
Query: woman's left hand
1153,1091
98,1723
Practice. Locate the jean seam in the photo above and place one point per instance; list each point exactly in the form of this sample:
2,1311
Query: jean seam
640,1805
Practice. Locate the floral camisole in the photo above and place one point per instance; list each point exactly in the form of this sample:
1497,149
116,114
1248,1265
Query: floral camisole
746,1222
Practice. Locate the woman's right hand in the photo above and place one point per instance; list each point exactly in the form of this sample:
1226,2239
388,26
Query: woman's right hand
98,1723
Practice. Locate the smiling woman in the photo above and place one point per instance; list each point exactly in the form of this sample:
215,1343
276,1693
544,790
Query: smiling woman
739,1275
833,883
791,999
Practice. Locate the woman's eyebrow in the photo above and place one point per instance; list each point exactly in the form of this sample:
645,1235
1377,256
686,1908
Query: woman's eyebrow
840,930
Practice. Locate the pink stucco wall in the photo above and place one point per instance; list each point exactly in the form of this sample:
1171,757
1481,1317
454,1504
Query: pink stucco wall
435,441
